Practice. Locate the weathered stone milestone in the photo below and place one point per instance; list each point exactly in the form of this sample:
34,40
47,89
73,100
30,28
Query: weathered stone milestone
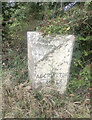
49,59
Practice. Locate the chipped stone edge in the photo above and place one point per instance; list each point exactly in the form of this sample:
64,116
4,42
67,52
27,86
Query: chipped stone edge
32,75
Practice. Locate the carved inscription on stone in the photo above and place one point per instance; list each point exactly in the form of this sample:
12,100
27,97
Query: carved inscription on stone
49,59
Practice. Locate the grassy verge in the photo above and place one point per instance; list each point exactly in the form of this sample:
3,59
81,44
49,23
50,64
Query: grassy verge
20,101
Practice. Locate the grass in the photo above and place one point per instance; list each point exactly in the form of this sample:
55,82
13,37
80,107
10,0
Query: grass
21,101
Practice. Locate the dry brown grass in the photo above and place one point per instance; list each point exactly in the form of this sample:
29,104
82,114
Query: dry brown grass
23,102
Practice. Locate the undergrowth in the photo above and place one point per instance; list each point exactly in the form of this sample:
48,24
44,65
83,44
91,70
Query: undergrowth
21,101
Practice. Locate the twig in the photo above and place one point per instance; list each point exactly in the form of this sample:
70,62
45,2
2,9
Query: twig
68,112
87,24
77,102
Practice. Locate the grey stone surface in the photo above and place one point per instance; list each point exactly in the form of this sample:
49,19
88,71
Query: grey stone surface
49,60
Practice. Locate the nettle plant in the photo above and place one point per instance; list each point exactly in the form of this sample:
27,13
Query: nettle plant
69,22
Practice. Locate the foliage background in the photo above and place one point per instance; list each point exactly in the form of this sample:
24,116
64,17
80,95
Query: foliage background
49,19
